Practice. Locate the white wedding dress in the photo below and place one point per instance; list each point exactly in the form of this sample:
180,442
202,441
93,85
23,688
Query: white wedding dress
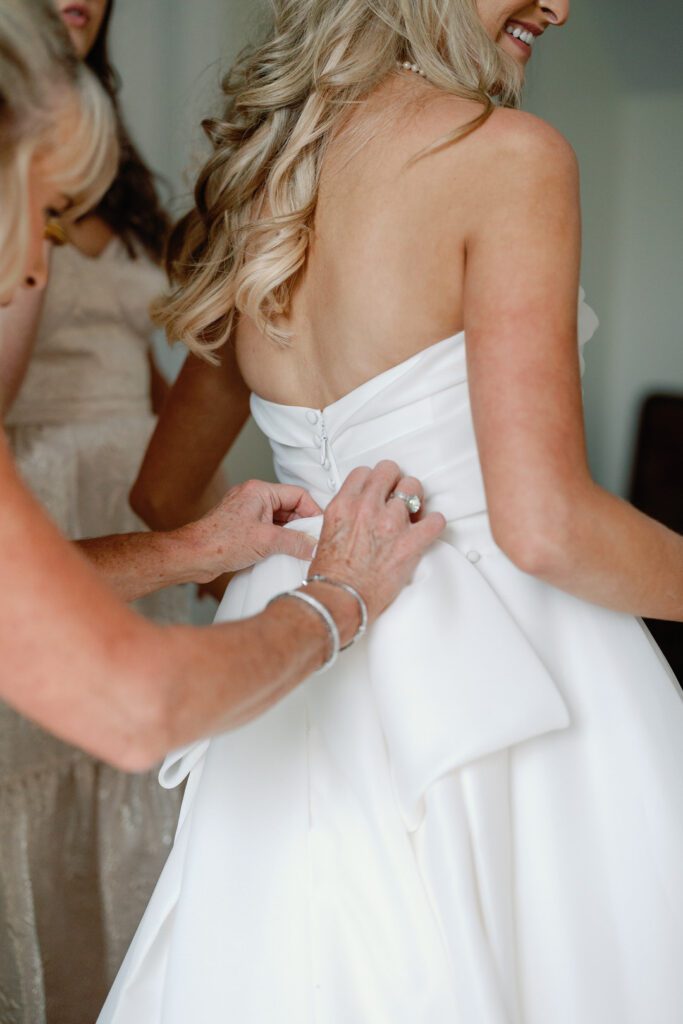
475,818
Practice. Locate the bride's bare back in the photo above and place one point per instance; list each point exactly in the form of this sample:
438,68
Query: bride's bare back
384,277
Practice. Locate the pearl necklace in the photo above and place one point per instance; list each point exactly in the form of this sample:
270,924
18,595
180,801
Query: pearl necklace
411,67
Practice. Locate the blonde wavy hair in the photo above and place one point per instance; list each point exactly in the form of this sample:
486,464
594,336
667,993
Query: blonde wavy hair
242,247
40,75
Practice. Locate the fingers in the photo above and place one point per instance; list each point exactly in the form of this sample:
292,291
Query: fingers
355,483
382,481
428,529
293,503
410,486
291,542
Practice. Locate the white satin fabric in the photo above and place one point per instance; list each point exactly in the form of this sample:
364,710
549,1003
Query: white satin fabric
475,818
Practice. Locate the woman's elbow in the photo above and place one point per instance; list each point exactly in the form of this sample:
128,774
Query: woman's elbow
143,733
134,760
140,501
537,543
149,505
540,555
140,746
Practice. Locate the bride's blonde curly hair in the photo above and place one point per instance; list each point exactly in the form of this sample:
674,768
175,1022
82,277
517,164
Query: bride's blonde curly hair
242,247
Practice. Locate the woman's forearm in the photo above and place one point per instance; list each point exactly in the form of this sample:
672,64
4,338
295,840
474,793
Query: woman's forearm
80,664
134,690
137,564
243,528
611,554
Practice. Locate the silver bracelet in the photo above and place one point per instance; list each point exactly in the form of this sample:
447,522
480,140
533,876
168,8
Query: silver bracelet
362,606
325,615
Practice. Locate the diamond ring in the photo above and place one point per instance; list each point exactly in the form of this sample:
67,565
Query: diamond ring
413,502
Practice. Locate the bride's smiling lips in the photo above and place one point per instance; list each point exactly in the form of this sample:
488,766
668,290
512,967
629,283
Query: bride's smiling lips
522,35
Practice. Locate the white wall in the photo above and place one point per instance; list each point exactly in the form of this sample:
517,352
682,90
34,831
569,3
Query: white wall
646,312
612,83
171,55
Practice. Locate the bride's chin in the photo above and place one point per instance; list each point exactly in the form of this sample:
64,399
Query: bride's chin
510,50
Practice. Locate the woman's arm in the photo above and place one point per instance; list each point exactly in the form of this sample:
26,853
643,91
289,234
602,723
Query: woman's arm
521,286
159,388
202,416
79,663
245,527
137,564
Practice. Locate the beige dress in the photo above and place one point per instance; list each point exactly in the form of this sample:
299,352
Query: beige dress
81,845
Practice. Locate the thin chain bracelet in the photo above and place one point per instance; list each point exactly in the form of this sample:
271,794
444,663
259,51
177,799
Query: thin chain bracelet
362,606
325,615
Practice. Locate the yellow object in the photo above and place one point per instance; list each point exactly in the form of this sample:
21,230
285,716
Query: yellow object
54,232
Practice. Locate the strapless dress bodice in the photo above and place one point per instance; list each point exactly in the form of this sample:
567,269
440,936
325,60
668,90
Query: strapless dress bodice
416,413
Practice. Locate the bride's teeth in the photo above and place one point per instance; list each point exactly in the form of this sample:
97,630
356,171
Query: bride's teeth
520,33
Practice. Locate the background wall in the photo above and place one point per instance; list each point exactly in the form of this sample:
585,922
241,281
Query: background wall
171,55
611,81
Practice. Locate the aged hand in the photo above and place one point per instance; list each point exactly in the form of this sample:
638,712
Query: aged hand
370,540
246,526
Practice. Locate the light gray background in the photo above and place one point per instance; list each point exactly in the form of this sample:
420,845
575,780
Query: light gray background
612,81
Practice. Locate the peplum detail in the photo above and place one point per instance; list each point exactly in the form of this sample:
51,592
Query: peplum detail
465,685
445,694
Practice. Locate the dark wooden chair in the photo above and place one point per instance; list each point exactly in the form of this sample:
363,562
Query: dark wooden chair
657,489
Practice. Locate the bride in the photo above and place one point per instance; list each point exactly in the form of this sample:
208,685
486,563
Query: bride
476,816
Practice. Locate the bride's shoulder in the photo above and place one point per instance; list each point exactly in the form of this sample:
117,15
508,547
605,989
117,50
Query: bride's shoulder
516,140
513,158
504,126
510,144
